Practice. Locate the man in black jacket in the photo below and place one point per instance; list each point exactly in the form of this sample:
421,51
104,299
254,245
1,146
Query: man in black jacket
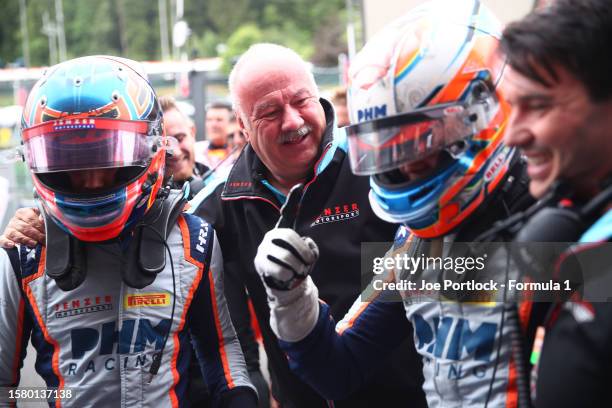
293,140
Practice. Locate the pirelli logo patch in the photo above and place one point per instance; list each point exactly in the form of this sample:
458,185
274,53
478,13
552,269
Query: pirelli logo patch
146,300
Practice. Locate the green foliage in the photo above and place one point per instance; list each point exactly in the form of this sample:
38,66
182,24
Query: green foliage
10,34
239,42
142,29
131,28
83,36
203,45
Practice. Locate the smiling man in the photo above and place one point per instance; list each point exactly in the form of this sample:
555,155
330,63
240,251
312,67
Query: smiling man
182,165
560,87
282,115
177,125
561,120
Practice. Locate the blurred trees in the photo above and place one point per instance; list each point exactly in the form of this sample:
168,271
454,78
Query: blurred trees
130,28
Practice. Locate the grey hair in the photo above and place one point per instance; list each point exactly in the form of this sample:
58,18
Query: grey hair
257,50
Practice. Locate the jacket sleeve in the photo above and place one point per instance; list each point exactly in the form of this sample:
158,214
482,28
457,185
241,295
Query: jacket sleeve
15,325
336,360
208,205
215,341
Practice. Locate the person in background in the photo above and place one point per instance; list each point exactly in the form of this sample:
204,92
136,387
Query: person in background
182,165
215,149
338,99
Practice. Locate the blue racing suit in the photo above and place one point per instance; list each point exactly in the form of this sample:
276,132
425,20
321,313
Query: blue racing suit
465,346
98,340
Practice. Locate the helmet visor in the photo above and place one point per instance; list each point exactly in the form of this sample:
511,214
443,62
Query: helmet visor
88,144
384,144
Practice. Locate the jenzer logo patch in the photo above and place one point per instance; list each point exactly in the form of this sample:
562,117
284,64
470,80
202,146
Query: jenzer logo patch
79,306
337,213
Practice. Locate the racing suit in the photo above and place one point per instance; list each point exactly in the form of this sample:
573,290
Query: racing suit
464,345
98,340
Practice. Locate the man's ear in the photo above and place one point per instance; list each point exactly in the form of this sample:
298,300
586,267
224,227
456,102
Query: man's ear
243,127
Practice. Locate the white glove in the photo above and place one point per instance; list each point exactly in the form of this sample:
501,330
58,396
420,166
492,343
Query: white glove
284,260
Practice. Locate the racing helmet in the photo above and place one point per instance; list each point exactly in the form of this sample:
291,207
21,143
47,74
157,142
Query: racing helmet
87,116
423,89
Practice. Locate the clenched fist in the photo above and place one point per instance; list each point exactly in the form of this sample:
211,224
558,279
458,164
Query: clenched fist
284,260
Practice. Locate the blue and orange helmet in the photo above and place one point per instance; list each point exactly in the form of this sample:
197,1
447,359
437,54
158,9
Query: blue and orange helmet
86,115
423,90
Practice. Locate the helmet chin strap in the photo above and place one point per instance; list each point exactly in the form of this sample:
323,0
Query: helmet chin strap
141,259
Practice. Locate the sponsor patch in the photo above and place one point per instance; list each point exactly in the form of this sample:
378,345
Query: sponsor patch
495,167
146,299
337,213
75,307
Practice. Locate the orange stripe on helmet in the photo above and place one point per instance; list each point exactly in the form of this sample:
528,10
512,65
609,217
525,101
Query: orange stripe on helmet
407,58
451,92
406,62
494,135
477,61
141,98
442,227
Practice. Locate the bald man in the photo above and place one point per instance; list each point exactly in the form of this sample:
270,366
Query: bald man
293,139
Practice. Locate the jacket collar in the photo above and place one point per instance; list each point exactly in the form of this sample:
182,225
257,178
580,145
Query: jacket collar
244,180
